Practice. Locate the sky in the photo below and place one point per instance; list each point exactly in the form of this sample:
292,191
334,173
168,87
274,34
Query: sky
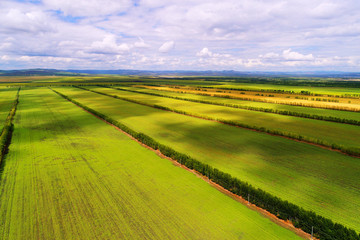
242,35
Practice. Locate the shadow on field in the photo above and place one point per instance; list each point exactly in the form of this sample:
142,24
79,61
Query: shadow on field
258,154
279,165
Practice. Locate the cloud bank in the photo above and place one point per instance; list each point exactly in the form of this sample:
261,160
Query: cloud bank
169,35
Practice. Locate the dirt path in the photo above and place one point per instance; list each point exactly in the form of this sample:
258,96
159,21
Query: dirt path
286,224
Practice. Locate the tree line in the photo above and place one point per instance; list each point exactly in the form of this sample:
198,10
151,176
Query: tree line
323,228
259,109
352,151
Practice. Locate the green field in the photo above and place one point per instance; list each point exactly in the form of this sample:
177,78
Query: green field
342,134
7,97
309,176
281,107
68,175
320,90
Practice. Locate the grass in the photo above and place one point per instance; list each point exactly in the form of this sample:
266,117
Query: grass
7,97
314,178
68,175
341,134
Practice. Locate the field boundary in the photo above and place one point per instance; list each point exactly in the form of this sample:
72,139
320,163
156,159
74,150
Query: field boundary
300,218
249,108
353,152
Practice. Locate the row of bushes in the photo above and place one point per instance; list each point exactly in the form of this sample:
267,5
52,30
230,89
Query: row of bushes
323,228
6,134
259,109
350,151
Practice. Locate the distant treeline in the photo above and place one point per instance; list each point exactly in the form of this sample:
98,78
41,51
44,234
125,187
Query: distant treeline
259,109
347,150
6,133
323,228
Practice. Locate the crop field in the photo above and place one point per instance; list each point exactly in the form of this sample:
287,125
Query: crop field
342,134
69,175
138,157
273,106
334,90
309,176
7,97
326,102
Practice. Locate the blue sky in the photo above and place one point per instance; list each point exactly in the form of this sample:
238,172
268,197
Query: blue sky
244,35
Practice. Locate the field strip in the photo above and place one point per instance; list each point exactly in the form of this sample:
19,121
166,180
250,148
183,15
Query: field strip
70,176
7,97
226,177
295,102
326,91
309,176
6,132
354,152
238,198
245,107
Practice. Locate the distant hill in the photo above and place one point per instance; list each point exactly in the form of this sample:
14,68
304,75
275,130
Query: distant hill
55,72
228,73
37,72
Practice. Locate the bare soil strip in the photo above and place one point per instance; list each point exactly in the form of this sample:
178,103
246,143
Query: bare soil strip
272,217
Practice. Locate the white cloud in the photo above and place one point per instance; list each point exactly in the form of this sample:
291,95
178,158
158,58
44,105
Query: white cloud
167,46
5,58
141,44
108,46
88,7
239,34
295,56
270,55
19,21
205,52
326,10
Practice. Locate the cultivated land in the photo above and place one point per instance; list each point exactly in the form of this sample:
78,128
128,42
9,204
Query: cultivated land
68,175
279,107
341,134
317,179
7,97
323,101
314,89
